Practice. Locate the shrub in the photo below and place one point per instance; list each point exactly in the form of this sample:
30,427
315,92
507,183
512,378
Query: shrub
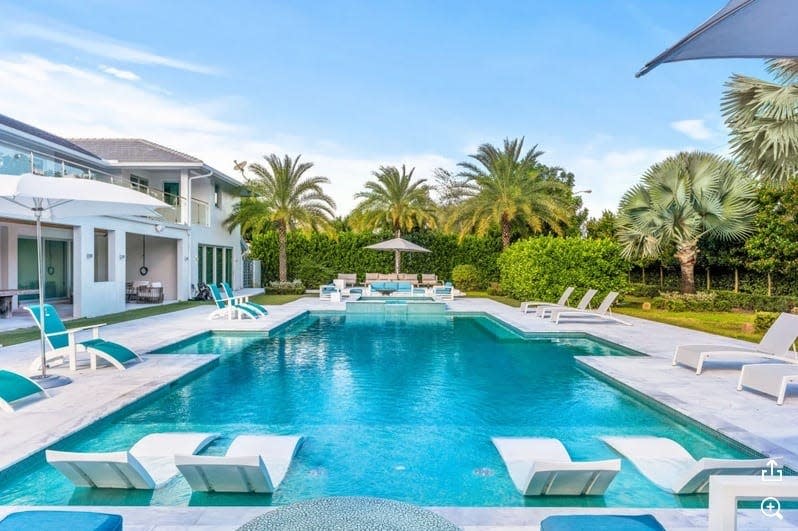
685,302
285,288
763,320
495,289
541,268
313,274
643,290
466,277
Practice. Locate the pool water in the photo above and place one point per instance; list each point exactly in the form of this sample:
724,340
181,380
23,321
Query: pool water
402,410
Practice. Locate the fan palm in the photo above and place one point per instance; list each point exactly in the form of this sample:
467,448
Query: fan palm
506,189
680,200
280,196
763,119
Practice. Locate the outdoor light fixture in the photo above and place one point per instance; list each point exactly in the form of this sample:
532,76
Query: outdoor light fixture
159,228
121,257
89,256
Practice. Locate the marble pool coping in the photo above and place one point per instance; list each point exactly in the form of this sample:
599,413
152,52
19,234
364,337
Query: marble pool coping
711,399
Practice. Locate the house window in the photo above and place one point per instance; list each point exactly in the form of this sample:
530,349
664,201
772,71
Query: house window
171,193
215,264
101,251
140,184
217,195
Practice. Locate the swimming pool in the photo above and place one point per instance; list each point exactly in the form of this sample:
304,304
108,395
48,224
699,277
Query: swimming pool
395,409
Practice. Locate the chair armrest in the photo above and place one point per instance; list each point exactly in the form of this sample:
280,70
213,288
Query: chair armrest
81,328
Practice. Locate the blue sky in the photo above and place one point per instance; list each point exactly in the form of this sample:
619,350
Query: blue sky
352,85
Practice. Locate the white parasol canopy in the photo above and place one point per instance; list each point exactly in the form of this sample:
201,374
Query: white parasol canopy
35,197
398,246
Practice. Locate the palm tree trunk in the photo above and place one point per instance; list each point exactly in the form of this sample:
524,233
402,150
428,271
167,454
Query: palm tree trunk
736,280
397,256
686,255
505,232
282,259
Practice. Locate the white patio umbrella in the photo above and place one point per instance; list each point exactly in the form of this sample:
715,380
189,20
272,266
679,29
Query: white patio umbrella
742,29
398,246
36,197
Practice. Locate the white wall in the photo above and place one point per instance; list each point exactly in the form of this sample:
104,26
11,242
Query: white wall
161,261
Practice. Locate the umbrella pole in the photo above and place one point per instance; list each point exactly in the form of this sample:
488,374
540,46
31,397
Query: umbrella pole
40,263
397,261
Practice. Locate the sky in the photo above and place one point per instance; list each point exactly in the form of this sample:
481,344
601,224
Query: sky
352,85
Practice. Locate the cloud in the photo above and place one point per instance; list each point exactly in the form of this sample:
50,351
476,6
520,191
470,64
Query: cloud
127,75
88,103
101,46
695,129
609,174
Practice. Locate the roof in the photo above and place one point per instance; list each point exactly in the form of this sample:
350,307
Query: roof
134,150
44,135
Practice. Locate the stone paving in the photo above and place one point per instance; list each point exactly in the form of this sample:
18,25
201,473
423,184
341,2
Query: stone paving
711,398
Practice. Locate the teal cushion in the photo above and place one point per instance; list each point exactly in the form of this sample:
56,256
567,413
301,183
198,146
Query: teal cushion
607,522
120,353
61,521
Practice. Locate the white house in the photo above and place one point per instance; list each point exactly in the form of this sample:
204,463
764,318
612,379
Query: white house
92,261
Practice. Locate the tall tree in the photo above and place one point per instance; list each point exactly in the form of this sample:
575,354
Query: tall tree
508,189
602,227
774,245
763,120
280,196
682,199
394,201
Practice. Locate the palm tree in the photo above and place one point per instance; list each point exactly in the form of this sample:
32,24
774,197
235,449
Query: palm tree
763,119
394,202
680,200
506,189
280,196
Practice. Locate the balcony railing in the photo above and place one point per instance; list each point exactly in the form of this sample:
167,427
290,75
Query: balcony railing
200,210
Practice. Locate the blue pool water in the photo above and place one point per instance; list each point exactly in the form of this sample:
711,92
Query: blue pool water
399,409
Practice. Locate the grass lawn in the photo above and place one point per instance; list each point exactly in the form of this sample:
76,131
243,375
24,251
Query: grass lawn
728,324
22,335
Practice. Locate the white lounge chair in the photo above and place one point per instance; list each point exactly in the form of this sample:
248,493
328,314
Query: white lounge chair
584,303
669,466
769,378
775,344
563,301
604,311
253,463
149,464
542,467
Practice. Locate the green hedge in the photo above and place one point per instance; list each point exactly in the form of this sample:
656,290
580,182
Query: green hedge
541,268
723,301
316,259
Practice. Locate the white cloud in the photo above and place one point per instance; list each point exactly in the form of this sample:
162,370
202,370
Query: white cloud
90,104
127,75
695,129
609,174
101,46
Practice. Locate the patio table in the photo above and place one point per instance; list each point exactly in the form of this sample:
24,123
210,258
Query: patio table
7,297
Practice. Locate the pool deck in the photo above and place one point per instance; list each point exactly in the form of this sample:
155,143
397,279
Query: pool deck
711,398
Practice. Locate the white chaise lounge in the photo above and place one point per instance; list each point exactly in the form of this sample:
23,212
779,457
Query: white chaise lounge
775,344
603,312
149,464
533,305
769,378
253,463
669,466
542,467
584,303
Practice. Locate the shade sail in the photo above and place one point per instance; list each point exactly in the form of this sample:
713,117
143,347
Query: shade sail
742,29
